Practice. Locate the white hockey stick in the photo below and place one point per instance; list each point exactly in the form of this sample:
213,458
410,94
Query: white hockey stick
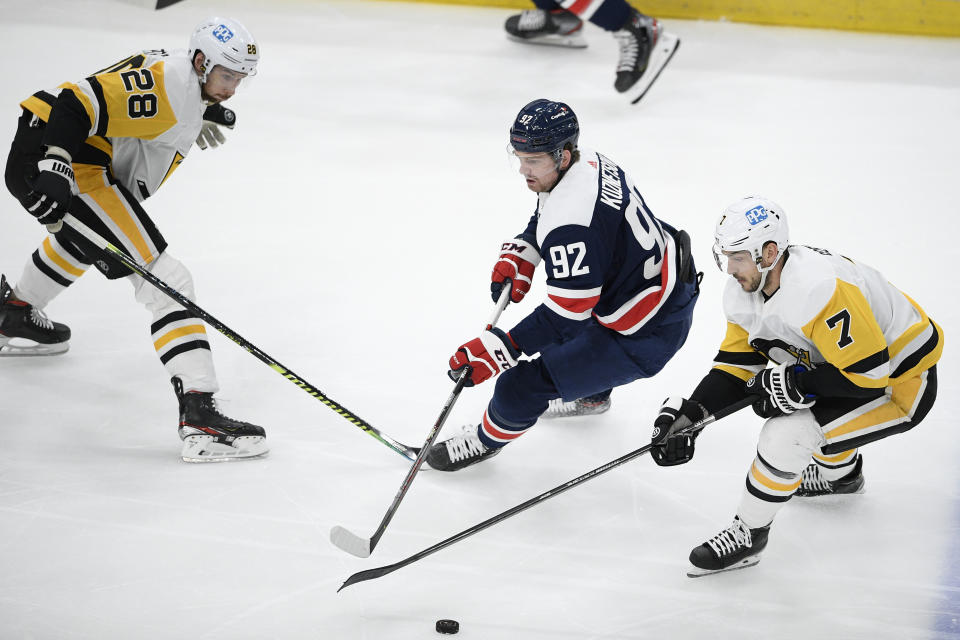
363,547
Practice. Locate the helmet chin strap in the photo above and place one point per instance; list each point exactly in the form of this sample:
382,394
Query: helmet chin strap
765,271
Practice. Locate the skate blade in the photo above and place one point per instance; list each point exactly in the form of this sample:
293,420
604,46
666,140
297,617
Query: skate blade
20,347
697,572
205,449
576,41
662,54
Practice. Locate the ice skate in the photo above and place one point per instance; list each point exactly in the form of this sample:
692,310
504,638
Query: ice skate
645,49
210,436
736,547
812,482
579,407
25,330
462,450
538,26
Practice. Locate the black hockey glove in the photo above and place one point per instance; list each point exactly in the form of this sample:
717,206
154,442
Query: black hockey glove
51,189
667,446
214,117
779,392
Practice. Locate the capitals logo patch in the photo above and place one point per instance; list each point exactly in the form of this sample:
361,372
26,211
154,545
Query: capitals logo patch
222,33
756,215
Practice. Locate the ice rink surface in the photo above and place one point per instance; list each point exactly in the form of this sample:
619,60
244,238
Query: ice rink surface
348,228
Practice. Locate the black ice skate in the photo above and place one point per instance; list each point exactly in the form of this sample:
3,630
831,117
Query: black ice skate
579,407
637,39
736,547
210,436
462,450
812,482
538,26
25,330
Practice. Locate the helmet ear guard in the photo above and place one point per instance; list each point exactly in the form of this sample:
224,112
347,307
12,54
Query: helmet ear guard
224,42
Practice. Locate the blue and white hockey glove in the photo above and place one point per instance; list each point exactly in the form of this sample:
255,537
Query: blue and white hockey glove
779,392
668,447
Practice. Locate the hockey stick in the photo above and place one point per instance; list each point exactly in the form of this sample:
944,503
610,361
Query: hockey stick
88,233
363,547
371,574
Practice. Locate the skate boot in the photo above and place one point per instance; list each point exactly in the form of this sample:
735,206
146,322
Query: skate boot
736,547
637,39
812,482
34,333
462,450
210,436
579,407
538,26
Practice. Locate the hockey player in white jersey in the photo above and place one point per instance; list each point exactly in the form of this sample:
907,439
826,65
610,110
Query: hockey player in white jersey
853,361
98,148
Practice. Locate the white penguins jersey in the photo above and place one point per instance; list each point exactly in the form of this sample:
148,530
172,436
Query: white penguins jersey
145,114
829,309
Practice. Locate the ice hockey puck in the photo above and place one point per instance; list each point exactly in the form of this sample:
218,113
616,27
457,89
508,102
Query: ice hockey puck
448,626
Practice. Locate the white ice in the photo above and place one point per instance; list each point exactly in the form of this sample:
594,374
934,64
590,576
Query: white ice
348,228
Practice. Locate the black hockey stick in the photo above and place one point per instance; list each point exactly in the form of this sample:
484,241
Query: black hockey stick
88,233
371,574
363,547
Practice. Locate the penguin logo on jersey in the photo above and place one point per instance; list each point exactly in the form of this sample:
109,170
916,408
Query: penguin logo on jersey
778,351
222,33
756,215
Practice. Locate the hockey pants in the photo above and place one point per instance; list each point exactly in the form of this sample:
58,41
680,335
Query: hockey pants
109,209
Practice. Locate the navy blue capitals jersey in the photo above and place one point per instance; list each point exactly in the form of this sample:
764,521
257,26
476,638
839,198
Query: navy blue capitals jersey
608,259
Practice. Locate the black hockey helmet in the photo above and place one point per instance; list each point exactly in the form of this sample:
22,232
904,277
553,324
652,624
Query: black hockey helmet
544,126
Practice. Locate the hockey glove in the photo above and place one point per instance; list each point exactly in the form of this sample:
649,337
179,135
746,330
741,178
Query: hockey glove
214,117
485,356
778,388
52,188
667,446
518,260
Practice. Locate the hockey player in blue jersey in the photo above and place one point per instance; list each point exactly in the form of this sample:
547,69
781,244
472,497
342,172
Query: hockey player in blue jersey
621,287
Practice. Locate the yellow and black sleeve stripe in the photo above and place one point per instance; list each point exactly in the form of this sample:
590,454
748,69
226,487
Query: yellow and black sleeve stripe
736,356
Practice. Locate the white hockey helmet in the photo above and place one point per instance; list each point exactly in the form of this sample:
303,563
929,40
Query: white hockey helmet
226,42
747,225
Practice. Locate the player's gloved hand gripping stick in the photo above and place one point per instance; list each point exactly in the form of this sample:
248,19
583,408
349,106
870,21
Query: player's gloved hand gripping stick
88,233
370,574
363,547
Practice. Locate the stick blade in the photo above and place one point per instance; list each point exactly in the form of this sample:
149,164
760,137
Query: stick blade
350,542
369,574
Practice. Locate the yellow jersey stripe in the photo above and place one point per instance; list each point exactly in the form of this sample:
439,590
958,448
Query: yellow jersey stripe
771,484
902,398
113,205
57,259
177,333
33,104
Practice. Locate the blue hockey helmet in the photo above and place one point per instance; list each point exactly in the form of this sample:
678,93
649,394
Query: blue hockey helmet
544,126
